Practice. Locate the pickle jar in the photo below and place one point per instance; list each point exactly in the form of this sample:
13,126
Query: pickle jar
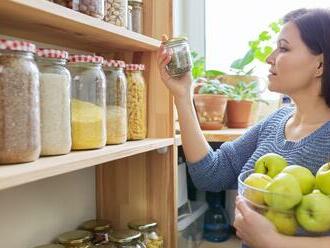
126,239
88,109
76,239
50,246
136,102
148,228
116,12
116,100
94,8
181,61
137,15
20,105
100,230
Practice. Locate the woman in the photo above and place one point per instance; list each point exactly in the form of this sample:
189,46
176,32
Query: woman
299,68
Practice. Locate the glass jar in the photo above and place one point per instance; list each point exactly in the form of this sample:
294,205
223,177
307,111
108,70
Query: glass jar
148,228
94,8
181,61
55,80
116,101
19,98
116,12
137,15
126,239
88,109
129,17
65,3
50,246
136,102
100,230
76,239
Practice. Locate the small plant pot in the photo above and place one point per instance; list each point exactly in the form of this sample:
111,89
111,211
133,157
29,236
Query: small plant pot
210,110
239,113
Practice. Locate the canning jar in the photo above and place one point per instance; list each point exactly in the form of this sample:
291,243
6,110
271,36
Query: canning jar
76,239
129,17
116,12
55,83
50,246
65,3
136,102
137,15
126,239
94,8
100,230
181,61
116,101
148,228
19,98
88,109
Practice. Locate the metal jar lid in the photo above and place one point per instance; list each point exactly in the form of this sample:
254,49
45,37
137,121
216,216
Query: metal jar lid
135,1
96,225
142,225
50,246
75,237
124,236
174,41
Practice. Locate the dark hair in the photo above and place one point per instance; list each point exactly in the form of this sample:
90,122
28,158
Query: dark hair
314,28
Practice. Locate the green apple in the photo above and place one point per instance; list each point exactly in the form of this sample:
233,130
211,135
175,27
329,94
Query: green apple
257,181
313,212
304,176
270,164
322,181
285,223
284,192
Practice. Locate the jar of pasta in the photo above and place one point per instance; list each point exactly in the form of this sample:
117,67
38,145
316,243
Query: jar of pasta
148,228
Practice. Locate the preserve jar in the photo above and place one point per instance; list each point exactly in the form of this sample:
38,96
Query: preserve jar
100,230
137,15
136,102
19,98
116,12
148,228
126,239
55,110
88,109
116,91
76,239
181,61
94,8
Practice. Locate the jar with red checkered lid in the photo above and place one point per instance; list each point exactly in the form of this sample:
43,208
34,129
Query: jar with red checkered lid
88,105
19,98
136,102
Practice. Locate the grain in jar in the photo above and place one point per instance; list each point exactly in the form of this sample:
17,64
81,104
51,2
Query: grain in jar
148,228
137,15
116,101
136,102
55,83
76,239
88,108
116,12
19,98
94,8
100,230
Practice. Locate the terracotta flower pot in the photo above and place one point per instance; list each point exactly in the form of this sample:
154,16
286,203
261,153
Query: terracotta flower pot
210,110
239,113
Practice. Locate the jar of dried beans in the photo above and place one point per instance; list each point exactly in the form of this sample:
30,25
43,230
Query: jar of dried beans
19,98
116,12
94,8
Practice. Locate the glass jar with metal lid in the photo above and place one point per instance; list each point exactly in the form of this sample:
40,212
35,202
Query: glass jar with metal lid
126,239
76,239
148,228
137,15
100,230
50,246
20,104
116,12
181,61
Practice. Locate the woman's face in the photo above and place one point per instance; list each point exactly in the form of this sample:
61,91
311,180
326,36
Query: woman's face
293,66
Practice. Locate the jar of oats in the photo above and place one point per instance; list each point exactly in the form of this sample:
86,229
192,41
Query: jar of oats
116,101
136,102
116,12
94,8
88,109
19,98
137,15
55,93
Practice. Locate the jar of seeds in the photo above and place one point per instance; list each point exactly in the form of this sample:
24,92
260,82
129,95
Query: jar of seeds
181,61
116,12
94,8
137,15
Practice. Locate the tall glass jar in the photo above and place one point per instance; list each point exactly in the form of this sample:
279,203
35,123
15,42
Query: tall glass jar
65,3
100,230
116,12
94,8
19,98
137,15
55,80
88,109
148,228
181,61
76,239
116,101
126,239
136,102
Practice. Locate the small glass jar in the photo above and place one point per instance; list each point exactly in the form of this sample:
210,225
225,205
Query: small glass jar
76,239
116,12
50,246
148,228
20,107
116,101
88,109
129,17
126,239
137,15
136,102
94,8
100,230
181,61
65,3
55,80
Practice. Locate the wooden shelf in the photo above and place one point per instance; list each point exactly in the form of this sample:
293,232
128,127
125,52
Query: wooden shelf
14,175
47,22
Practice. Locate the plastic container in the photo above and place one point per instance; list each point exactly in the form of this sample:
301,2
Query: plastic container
126,239
137,15
116,12
76,239
94,8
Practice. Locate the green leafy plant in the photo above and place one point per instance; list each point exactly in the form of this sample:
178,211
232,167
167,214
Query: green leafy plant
244,91
214,87
198,69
